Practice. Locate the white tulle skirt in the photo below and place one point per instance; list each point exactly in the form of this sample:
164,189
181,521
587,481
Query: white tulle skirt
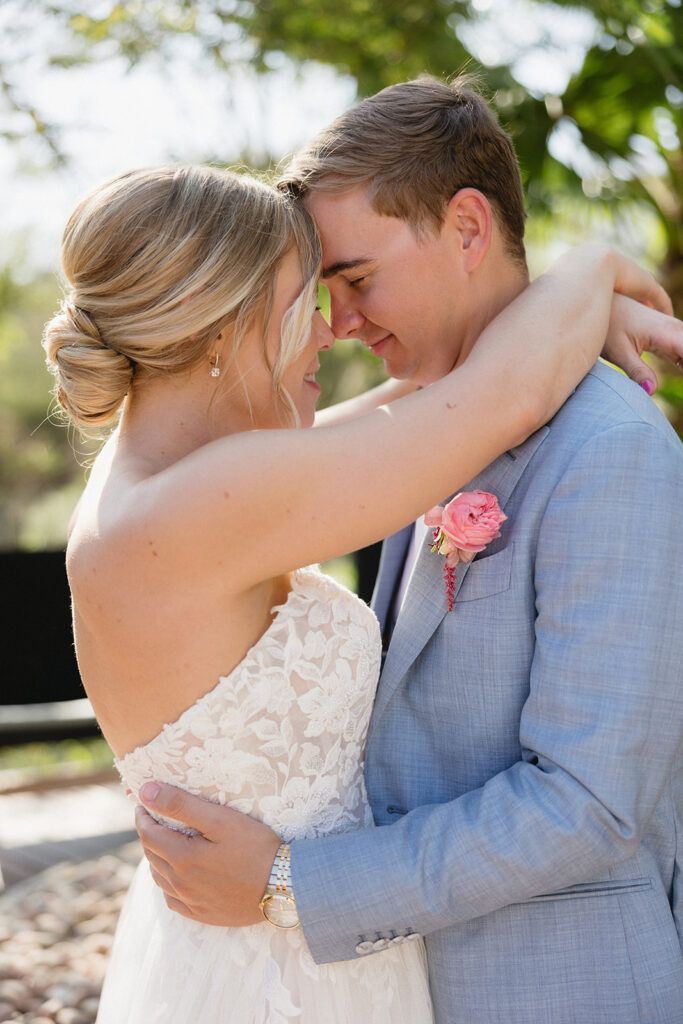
166,969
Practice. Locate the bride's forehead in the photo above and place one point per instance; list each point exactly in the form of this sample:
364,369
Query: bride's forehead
289,280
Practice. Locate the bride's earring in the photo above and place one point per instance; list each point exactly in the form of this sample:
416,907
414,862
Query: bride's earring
215,369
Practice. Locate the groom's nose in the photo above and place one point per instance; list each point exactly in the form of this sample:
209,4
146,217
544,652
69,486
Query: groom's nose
322,332
345,320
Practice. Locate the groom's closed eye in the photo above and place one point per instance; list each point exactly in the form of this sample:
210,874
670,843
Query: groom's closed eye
337,268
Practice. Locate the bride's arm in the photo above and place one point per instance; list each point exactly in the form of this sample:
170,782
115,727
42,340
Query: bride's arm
634,328
272,501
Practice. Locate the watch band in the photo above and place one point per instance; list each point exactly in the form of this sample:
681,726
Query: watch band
277,904
279,874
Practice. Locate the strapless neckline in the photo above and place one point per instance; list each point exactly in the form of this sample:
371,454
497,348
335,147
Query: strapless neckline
303,578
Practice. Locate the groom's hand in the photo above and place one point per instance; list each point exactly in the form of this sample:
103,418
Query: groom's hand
217,877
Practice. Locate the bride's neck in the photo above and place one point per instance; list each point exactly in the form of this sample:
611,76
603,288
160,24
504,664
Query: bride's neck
164,420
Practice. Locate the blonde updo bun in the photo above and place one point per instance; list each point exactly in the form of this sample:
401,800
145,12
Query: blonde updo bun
92,380
158,262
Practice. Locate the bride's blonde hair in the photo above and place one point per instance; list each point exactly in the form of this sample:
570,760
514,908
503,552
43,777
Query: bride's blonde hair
157,263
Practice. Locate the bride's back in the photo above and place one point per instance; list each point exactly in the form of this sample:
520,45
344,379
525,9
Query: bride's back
150,635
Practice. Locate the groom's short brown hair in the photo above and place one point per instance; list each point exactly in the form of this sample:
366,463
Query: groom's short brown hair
415,145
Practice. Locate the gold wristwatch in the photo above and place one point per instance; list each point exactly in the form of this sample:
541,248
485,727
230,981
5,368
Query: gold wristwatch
278,906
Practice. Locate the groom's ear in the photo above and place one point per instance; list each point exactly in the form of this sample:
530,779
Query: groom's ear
470,221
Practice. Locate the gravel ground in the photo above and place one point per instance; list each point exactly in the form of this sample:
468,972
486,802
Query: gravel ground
56,930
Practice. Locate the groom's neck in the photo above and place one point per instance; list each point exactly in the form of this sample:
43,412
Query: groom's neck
497,289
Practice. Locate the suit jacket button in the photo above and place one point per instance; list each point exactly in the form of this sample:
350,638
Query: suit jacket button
365,947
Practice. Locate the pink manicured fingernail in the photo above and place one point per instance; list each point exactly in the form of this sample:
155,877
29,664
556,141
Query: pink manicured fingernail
149,792
648,386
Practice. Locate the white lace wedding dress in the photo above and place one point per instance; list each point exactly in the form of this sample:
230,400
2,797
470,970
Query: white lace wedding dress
280,738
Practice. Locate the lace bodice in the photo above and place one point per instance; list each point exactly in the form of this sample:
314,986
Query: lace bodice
282,736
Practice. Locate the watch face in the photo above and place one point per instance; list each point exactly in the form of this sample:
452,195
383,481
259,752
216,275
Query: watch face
280,910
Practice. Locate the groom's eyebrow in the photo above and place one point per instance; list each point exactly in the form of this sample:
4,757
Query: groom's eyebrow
336,268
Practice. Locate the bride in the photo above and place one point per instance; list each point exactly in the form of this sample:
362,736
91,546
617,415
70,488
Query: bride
212,658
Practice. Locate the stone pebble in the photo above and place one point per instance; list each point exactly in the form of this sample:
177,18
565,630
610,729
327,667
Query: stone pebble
56,931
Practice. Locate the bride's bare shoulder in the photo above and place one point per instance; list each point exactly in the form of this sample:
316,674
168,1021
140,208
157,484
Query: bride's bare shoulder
110,526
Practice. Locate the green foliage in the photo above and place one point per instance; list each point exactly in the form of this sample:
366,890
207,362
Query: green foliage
36,456
630,89
45,759
671,391
378,42
133,29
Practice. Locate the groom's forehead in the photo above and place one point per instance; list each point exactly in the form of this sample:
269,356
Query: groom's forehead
343,220
352,232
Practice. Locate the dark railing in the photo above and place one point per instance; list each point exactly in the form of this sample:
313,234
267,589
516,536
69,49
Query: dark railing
41,695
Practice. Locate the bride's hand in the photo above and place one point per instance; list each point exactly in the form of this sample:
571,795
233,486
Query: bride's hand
640,320
635,328
216,877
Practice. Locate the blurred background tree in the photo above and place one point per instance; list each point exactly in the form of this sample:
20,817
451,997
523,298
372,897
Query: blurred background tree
591,91
36,465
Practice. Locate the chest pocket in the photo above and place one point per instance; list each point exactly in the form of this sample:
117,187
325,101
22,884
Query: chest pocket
487,576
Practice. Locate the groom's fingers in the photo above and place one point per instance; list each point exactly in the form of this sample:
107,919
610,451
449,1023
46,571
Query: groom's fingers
162,882
166,843
217,824
168,852
175,803
173,901
161,873
176,886
180,908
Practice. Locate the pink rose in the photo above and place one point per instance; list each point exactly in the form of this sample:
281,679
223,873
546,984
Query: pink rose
467,524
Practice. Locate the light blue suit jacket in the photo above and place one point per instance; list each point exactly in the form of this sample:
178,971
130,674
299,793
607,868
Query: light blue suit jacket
525,760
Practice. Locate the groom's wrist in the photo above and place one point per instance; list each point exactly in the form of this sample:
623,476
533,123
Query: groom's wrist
278,905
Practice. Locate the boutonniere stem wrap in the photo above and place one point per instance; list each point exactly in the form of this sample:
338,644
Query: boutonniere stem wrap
463,528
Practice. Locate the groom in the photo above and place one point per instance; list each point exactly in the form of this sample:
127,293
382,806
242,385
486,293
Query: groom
524,759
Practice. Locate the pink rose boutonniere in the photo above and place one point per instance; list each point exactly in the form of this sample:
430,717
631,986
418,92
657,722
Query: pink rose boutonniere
463,528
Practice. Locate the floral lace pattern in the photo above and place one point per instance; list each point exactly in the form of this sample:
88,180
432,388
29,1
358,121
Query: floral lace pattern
282,736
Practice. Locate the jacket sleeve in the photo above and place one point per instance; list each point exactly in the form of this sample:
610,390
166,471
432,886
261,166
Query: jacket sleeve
599,731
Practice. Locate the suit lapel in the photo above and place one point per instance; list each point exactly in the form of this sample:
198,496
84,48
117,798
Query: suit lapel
425,601
390,568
